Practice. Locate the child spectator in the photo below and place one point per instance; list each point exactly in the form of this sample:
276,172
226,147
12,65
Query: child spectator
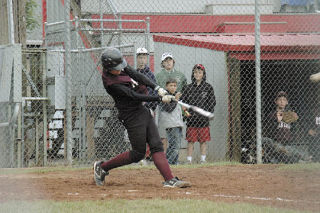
278,144
170,123
168,71
198,93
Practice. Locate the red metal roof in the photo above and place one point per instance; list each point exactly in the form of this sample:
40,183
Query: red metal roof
297,23
285,42
273,47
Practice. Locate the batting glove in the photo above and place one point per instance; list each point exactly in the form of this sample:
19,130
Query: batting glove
167,98
161,92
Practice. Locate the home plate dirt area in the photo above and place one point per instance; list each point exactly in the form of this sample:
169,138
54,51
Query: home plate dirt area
266,185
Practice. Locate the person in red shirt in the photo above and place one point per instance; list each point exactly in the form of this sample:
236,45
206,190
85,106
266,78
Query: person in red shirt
201,94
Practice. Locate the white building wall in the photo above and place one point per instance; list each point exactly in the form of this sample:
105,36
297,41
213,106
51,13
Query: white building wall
146,6
220,127
215,64
55,11
178,6
139,40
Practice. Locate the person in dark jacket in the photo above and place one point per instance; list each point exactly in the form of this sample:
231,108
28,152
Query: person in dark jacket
275,128
128,88
201,94
142,67
278,141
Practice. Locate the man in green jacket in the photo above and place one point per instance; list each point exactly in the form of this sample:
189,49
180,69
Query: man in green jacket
169,72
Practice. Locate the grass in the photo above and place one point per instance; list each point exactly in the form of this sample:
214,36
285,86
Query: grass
74,168
223,163
38,170
289,167
141,206
300,167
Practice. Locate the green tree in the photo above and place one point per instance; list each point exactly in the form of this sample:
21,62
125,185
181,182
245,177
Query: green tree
31,19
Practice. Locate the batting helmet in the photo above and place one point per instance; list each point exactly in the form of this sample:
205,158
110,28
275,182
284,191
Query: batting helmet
112,59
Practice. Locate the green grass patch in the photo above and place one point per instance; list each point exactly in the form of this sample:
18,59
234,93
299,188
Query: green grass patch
42,170
223,163
300,167
141,206
39,170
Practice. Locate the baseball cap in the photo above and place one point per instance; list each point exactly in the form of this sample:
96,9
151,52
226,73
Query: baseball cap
142,50
166,55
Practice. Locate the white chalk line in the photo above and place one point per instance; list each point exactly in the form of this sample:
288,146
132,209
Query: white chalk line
232,196
266,198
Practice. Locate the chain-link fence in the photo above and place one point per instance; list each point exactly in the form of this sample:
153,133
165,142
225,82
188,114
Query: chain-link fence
10,105
248,63
96,131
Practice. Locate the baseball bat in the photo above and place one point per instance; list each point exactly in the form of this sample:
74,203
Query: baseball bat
196,109
315,77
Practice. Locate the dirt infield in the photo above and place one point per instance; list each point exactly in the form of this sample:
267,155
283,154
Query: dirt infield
259,184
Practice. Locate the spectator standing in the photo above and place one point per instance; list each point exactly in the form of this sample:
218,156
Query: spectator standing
142,67
198,93
168,71
170,123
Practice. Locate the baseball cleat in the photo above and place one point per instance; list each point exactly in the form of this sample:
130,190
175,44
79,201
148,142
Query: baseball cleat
176,183
98,173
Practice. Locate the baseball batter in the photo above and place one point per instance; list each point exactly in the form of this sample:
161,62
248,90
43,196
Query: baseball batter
128,89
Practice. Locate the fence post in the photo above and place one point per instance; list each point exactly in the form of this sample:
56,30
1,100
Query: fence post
10,21
101,23
258,81
19,136
68,81
147,38
45,103
134,55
